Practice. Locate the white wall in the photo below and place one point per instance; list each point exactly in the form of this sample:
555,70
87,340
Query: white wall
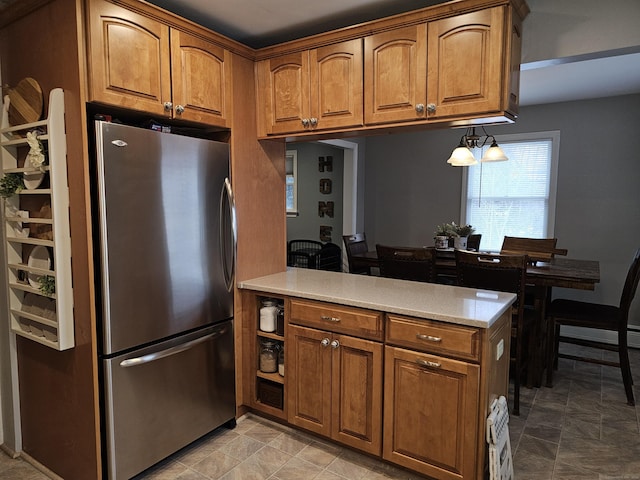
410,188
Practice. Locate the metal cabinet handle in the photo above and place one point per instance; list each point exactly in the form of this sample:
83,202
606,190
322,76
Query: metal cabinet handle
324,342
305,122
335,344
427,363
326,318
179,109
313,121
431,107
168,106
420,107
429,338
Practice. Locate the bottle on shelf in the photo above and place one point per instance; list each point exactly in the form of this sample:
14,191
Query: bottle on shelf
268,314
268,356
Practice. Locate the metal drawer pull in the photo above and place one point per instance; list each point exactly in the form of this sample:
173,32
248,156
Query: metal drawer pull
335,344
427,363
431,338
329,319
324,342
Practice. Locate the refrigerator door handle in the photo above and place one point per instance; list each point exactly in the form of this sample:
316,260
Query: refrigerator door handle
132,362
228,261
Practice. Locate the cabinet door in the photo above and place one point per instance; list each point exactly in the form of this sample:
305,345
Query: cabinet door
283,84
465,61
357,393
309,379
431,413
395,75
128,59
336,85
201,81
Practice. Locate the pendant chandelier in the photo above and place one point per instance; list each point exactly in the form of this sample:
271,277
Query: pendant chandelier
462,155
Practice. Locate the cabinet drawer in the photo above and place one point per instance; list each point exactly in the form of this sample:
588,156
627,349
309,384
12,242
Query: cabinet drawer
432,336
338,318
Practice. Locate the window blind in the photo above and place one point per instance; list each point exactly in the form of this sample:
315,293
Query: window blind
512,198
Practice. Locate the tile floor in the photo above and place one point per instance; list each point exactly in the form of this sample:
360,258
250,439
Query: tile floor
581,428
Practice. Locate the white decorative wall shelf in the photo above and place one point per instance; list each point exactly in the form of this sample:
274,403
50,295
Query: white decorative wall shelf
37,235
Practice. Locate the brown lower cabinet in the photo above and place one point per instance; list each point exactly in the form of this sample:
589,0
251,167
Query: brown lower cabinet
335,386
430,412
413,391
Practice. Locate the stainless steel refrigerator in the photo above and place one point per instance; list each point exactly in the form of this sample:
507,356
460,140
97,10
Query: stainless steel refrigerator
166,247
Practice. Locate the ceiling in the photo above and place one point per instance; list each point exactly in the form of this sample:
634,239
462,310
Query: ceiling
260,23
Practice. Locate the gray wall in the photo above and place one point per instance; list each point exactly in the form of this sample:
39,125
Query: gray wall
307,224
410,189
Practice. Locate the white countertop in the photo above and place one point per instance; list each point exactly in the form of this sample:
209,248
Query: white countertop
464,306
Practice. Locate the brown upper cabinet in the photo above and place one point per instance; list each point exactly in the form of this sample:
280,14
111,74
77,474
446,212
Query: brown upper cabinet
430,66
395,75
466,59
315,89
140,63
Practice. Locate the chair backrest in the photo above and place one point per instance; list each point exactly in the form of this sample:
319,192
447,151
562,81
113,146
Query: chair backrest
503,273
407,263
355,244
630,285
473,242
537,249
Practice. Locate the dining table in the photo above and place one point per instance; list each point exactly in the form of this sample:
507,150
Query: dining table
542,276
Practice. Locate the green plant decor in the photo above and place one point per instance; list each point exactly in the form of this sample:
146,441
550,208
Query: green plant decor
464,230
11,184
47,285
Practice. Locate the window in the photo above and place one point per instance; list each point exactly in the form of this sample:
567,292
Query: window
517,197
291,169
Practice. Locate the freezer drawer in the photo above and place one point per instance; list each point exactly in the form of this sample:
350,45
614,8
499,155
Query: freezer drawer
161,398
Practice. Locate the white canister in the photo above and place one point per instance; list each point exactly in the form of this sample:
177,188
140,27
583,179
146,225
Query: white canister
268,315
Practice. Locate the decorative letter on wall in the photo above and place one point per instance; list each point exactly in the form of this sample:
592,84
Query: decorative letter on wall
325,164
325,208
325,233
325,185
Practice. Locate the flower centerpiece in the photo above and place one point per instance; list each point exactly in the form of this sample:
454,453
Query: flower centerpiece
462,234
447,233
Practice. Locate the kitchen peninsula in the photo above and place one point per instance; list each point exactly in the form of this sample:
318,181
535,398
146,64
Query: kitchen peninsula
402,370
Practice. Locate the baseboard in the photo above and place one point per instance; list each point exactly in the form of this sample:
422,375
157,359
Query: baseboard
9,451
38,466
633,337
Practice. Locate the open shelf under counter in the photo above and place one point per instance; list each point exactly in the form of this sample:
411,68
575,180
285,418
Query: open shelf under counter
272,377
271,335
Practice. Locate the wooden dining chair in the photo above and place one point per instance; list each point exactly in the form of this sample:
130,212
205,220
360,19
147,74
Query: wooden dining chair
597,316
537,249
355,244
407,263
473,242
503,273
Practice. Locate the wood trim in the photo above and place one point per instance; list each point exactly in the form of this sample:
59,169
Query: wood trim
414,17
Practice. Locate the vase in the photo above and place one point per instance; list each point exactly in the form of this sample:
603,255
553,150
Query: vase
442,241
460,243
